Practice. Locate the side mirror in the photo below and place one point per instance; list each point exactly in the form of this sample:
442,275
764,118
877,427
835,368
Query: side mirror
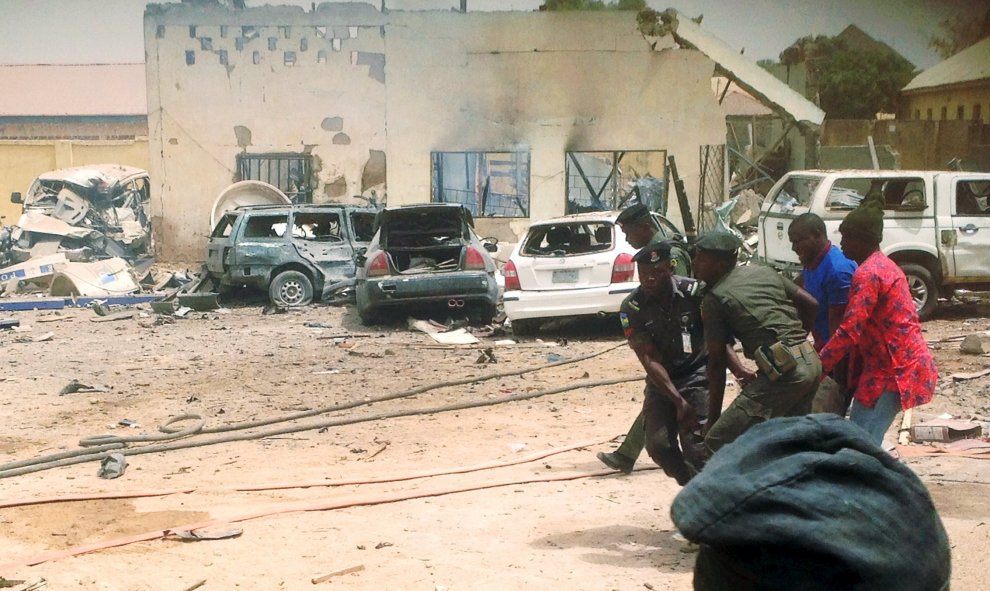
490,247
15,197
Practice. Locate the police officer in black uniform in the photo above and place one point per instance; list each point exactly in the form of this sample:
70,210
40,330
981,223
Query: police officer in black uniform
662,322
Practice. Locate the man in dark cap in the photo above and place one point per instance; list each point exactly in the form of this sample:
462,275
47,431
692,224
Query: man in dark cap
641,229
881,325
661,320
811,503
770,316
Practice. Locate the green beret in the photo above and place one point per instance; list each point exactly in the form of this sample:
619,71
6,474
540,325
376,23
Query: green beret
718,242
633,213
653,253
866,220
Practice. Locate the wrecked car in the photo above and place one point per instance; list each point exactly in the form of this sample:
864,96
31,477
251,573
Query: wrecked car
87,212
427,257
297,253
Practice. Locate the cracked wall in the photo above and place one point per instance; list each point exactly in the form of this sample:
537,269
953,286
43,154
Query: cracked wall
355,87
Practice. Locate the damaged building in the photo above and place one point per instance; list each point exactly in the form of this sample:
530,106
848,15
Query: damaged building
517,115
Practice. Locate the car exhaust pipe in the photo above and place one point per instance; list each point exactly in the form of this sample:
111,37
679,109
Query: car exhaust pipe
454,303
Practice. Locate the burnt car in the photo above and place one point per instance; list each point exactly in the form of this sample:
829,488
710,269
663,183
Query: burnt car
298,253
87,212
426,257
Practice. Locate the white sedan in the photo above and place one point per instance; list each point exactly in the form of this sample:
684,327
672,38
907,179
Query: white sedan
574,265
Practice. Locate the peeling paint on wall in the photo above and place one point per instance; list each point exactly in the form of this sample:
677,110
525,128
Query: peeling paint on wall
375,61
332,124
243,135
341,139
373,174
336,188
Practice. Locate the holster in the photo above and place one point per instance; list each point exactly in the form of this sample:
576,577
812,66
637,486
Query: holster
775,360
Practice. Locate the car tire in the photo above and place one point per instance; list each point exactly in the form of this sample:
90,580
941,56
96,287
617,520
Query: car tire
526,326
290,289
924,292
486,313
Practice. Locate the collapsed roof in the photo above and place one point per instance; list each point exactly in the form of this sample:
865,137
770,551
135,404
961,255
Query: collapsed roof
743,71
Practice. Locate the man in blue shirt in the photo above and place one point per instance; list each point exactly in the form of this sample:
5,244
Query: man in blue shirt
827,275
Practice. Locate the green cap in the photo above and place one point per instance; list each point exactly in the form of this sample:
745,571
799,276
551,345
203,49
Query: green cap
633,213
718,242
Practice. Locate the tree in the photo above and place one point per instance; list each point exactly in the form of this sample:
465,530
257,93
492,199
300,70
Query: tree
959,33
851,75
562,5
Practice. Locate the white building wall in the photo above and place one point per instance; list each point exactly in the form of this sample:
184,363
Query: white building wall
549,82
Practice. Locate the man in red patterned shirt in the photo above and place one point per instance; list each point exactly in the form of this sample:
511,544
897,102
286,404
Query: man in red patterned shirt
881,323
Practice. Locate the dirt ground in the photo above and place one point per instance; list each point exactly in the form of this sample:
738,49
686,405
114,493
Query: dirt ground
359,496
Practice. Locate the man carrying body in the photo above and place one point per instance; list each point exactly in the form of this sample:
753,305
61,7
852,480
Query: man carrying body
641,229
771,317
827,275
662,323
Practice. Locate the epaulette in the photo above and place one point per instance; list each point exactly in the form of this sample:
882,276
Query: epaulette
687,286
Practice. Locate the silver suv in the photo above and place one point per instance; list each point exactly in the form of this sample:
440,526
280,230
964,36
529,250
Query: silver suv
295,252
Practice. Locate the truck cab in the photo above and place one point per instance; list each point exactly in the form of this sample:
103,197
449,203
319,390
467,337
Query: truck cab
936,223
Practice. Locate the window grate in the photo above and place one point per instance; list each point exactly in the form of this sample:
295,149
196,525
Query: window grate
489,184
291,173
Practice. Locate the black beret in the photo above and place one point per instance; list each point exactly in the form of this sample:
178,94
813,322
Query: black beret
718,242
633,213
811,503
653,253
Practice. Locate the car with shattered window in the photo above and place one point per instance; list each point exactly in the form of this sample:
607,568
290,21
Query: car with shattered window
297,253
427,259
87,212
571,266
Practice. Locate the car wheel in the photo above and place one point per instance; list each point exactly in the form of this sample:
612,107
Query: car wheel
526,326
290,288
486,313
924,292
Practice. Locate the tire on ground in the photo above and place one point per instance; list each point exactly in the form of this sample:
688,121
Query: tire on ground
525,326
290,288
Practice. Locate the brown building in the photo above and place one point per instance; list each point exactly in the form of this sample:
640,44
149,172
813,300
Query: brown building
955,89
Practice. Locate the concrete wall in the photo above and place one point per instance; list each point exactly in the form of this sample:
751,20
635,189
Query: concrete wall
407,84
919,145
25,160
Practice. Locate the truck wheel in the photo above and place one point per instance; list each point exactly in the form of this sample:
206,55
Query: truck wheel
922,287
525,326
291,288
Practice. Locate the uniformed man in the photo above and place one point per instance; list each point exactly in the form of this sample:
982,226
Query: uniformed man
641,229
662,323
771,317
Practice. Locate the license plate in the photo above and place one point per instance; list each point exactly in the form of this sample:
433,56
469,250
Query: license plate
565,276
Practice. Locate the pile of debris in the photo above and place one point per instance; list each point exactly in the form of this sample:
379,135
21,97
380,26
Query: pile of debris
81,230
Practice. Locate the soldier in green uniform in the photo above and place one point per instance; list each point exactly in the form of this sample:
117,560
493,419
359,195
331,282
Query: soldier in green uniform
771,317
641,229
662,322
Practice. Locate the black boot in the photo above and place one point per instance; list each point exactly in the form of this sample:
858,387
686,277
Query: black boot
616,461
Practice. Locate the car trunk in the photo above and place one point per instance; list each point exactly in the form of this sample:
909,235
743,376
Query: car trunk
567,256
425,242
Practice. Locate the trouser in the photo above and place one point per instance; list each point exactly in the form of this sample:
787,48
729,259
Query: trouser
681,454
763,399
876,420
833,395
635,440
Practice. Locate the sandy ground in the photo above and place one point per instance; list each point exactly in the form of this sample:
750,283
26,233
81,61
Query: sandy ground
358,496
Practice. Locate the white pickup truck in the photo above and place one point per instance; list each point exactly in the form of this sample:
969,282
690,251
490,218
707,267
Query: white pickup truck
936,223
